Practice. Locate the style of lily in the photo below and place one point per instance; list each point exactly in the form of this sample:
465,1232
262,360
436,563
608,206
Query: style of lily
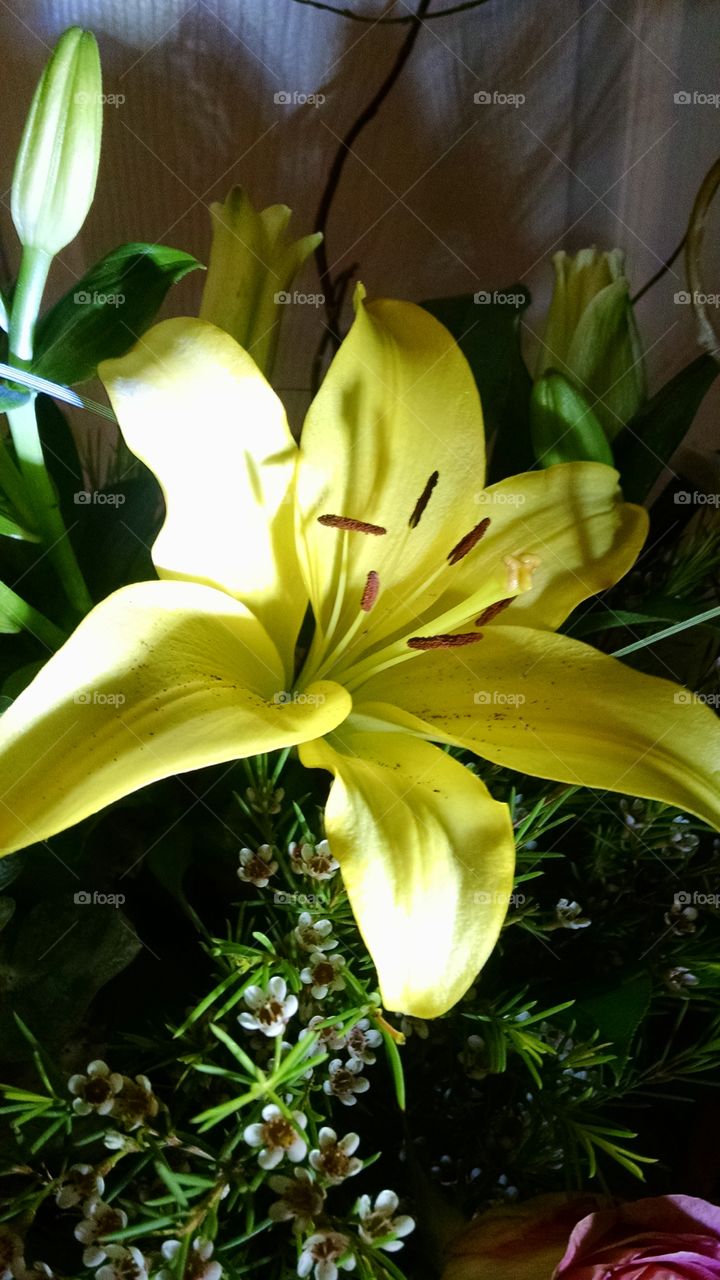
435,606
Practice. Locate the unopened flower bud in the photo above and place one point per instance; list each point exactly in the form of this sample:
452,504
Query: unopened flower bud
591,336
57,163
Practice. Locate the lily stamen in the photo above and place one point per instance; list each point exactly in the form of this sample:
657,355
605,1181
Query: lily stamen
492,611
471,539
444,642
352,525
370,594
423,500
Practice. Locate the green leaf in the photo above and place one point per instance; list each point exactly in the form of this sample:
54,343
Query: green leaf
652,436
563,426
695,620
488,334
654,610
7,911
107,311
11,524
10,868
63,952
615,1011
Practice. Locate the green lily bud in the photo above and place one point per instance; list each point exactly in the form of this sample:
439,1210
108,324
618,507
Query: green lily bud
252,266
563,426
591,336
57,164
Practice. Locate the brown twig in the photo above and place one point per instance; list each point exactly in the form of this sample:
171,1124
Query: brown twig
661,271
334,290
386,22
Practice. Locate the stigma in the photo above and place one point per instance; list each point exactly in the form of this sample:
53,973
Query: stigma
520,570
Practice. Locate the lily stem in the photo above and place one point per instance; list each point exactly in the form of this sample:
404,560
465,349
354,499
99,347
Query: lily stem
26,437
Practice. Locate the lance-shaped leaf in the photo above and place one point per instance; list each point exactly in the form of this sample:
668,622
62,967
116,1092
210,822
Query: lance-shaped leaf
106,311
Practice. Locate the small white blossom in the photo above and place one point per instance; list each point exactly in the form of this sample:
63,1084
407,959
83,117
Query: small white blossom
80,1186
411,1026
198,1264
378,1220
345,1081
301,1199
257,867
313,860
100,1220
38,1271
96,1090
322,974
323,1253
266,799
270,1009
115,1141
123,1264
680,979
277,1137
360,1042
136,1103
569,915
332,1037
334,1159
474,1058
314,935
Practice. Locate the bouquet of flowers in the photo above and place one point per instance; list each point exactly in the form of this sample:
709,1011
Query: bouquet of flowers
368,765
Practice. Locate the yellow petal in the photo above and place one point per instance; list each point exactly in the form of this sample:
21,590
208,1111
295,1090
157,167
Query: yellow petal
195,408
427,859
555,708
573,520
252,266
160,678
518,1241
398,405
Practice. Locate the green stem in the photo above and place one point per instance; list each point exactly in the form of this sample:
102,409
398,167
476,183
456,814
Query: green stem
11,483
26,437
19,612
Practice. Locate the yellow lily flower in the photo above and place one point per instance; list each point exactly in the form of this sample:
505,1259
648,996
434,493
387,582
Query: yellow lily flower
435,604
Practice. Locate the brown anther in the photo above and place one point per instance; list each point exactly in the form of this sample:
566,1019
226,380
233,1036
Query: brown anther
370,594
492,611
445,642
471,539
353,526
423,500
